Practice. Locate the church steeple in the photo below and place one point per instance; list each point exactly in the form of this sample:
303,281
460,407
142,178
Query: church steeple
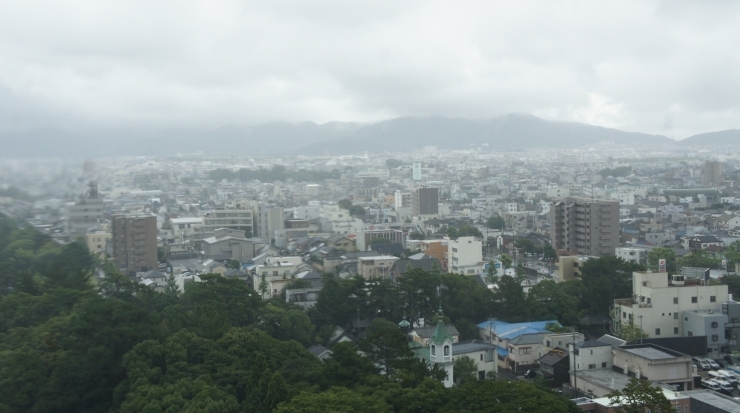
440,348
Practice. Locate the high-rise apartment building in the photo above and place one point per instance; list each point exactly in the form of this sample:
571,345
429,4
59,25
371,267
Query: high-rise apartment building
425,201
713,173
134,240
416,171
585,226
267,220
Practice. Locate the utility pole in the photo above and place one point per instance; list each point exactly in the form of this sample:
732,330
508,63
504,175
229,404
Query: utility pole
575,374
641,332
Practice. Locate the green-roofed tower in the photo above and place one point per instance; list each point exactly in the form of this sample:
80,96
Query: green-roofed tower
440,349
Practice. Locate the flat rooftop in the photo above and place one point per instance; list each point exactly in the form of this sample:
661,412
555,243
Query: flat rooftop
650,353
714,399
606,378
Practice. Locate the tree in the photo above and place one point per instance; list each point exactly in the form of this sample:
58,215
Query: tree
504,396
513,304
277,393
344,203
393,163
549,252
416,235
630,331
733,284
386,345
496,222
700,259
491,273
732,254
605,279
640,396
336,399
263,285
520,271
506,261
465,369
657,254
525,245
171,287
346,367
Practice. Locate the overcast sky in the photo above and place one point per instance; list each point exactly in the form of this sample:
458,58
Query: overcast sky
666,67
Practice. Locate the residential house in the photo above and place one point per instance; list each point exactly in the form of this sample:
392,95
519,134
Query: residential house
482,353
704,241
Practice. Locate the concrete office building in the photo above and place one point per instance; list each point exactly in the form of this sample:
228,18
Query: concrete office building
683,307
425,201
134,242
237,218
630,254
365,237
585,226
713,173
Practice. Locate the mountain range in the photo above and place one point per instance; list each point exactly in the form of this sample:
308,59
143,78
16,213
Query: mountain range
334,138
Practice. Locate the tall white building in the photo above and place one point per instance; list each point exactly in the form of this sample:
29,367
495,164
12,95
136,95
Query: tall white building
465,256
416,171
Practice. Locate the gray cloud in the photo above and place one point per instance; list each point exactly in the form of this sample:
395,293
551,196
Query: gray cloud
642,65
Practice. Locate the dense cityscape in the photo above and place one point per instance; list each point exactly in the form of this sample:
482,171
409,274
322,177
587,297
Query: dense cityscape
572,271
238,206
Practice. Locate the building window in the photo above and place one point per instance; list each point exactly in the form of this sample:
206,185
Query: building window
675,316
603,364
675,300
525,350
434,350
675,330
657,331
693,299
712,298
592,366
447,350
715,337
690,334
714,324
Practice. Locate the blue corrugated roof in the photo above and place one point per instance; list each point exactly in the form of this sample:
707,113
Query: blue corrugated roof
502,351
513,330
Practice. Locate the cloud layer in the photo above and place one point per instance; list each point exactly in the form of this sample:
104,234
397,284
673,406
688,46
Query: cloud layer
666,67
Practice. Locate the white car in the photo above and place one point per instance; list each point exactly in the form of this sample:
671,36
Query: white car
727,375
724,385
712,363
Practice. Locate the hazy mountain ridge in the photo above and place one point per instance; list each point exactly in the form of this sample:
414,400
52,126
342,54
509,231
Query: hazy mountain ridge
275,138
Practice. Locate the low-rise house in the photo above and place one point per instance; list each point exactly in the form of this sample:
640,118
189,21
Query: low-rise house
482,353
401,266
704,241
555,366
375,267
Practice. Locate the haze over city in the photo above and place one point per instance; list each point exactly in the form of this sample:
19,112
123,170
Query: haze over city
369,207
